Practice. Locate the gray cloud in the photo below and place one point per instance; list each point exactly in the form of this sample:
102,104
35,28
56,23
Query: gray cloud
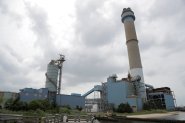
93,27
95,55
6,10
98,46
169,18
163,62
90,64
3,7
166,9
44,41
13,73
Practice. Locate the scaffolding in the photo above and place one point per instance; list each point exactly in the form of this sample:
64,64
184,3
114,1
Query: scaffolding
101,101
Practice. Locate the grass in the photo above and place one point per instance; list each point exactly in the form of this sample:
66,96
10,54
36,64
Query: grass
41,113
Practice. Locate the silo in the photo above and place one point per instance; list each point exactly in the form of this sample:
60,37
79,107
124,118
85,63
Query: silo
52,76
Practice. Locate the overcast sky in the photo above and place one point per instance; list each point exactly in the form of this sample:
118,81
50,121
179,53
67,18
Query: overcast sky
91,36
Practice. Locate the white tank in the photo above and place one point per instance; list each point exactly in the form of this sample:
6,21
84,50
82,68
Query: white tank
52,76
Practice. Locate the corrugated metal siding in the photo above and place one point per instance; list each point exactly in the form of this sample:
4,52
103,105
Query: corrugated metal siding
169,102
29,94
71,100
4,96
116,92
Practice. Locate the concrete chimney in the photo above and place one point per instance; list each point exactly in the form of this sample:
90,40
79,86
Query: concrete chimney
128,18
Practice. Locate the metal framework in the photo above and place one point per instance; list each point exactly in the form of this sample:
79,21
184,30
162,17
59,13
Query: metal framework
59,64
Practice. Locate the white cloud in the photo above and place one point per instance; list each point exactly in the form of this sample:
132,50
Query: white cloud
91,35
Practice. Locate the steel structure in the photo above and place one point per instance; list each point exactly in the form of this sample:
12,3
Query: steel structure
60,65
54,74
131,90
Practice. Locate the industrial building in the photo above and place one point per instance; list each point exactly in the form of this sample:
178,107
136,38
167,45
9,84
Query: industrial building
131,89
73,100
29,94
52,88
163,97
114,92
5,95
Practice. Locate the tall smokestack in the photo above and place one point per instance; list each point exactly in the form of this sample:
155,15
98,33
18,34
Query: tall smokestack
128,18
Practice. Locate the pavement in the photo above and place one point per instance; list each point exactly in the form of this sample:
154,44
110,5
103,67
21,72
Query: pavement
155,115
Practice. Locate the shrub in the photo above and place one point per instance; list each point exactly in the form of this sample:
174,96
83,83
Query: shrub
79,108
122,108
40,104
15,105
64,110
35,104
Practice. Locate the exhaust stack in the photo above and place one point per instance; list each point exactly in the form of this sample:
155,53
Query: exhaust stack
128,18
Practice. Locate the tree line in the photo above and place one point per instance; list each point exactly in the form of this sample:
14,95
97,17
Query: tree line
17,105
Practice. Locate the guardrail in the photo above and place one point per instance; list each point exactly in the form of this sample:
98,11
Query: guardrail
8,118
57,118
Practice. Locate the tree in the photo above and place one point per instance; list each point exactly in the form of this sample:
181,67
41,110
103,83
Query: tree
40,104
1,100
8,104
79,108
45,105
35,104
122,108
15,105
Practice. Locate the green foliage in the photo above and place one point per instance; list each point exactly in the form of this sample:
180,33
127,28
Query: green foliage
66,106
1,100
122,108
35,104
78,108
39,104
38,108
17,105
64,110
8,104
40,112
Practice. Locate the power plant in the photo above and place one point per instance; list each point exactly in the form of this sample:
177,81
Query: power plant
131,89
